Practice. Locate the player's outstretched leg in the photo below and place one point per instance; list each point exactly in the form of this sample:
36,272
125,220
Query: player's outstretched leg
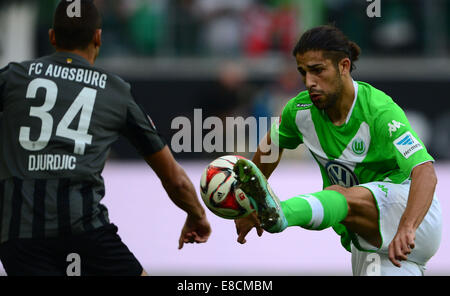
254,184
315,211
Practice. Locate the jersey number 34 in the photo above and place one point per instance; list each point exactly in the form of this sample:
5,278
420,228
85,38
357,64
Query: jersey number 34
84,102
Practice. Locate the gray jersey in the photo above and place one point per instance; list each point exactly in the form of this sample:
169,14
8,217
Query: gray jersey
58,119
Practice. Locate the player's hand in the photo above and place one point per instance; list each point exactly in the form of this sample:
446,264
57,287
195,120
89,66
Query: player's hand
402,245
244,225
195,230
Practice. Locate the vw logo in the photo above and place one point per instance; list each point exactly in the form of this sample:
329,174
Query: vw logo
341,175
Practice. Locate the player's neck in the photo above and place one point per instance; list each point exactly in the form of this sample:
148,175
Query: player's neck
339,112
86,54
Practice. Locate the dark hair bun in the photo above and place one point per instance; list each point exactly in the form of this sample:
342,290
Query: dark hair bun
355,51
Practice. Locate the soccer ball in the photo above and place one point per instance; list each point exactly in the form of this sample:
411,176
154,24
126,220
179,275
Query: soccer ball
218,189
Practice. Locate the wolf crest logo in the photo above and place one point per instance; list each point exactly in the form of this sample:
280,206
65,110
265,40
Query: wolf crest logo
358,146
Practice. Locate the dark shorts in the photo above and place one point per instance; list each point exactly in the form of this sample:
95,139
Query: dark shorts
97,252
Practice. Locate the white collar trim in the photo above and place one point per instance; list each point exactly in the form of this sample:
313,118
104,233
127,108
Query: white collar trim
355,86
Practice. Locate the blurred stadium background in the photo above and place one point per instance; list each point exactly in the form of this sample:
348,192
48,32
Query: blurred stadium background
233,58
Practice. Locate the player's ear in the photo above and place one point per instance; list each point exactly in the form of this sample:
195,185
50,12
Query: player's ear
98,38
344,66
52,37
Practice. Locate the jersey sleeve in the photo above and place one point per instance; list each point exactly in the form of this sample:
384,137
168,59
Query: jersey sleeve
285,133
398,138
140,130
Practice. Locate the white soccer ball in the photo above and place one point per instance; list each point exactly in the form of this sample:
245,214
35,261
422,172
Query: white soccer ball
218,189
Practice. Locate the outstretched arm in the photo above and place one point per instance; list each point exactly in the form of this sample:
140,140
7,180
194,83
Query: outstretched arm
267,167
423,184
181,191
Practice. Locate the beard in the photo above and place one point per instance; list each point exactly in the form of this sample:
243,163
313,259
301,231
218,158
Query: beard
329,99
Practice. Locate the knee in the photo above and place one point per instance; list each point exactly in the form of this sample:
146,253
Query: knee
360,202
346,193
337,188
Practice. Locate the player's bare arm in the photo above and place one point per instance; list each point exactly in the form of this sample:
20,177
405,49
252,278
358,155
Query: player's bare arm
182,193
267,168
423,184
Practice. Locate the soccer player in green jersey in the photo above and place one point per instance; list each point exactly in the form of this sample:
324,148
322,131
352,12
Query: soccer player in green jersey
59,118
378,178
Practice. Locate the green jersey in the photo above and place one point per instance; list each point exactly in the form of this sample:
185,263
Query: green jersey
376,143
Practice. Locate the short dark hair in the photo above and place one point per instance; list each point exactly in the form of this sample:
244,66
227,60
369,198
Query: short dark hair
332,41
76,32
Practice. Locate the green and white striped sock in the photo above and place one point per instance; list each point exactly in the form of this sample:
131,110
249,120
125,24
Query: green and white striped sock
315,211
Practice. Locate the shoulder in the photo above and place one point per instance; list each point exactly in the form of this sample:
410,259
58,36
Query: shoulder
4,69
114,77
116,81
14,66
115,86
23,68
3,72
376,103
373,97
386,116
14,70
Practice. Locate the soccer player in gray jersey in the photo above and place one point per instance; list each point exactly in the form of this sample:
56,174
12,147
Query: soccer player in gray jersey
59,117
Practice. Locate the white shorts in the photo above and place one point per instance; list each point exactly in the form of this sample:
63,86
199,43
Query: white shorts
391,200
